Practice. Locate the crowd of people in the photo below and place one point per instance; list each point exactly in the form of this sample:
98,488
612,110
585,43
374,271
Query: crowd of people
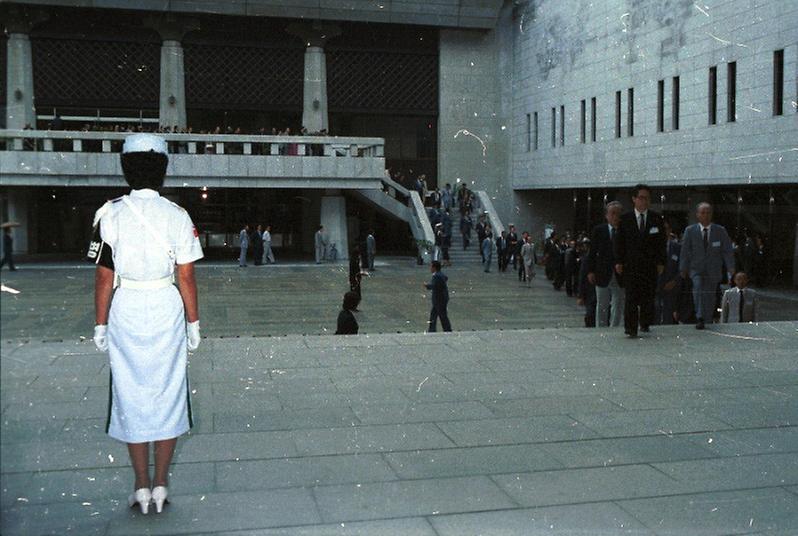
285,149
643,274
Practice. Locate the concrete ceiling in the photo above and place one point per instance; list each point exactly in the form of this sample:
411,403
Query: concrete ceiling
448,13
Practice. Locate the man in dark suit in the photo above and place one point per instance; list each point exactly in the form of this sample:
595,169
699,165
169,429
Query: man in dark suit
440,298
601,268
501,250
640,258
512,247
669,283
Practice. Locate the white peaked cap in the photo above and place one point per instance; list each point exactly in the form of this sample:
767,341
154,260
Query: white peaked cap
144,143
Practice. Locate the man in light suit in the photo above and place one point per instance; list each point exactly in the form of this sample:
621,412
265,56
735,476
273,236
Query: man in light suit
706,248
243,242
371,249
739,304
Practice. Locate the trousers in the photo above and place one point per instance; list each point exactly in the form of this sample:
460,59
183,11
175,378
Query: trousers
435,312
609,304
704,289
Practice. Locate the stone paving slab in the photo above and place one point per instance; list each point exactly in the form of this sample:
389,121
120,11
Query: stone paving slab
679,432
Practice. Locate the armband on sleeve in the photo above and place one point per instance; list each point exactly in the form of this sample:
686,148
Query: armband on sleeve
99,252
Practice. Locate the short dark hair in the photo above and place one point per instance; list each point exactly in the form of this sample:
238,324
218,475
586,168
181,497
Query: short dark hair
144,169
351,301
436,265
638,187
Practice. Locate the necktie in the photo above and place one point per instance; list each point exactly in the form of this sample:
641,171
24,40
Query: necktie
642,223
612,234
742,304
706,238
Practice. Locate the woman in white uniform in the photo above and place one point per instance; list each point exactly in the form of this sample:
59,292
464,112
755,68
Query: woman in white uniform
146,324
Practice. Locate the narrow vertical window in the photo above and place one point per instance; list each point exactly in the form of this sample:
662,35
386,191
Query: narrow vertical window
528,132
535,126
675,104
731,92
617,114
712,103
630,112
583,121
562,126
554,127
593,119
778,82
661,106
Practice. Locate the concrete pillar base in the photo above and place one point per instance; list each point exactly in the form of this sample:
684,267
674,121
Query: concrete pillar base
333,218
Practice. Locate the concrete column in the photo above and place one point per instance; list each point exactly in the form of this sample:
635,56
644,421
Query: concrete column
172,100
333,218
172,109
20,106
314,96
314,102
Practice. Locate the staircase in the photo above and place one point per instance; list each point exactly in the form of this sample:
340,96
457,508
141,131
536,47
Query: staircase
471,255
457,255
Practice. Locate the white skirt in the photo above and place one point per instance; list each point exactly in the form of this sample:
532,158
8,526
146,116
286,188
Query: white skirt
149,391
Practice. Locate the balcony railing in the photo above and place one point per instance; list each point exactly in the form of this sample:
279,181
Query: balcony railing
255,145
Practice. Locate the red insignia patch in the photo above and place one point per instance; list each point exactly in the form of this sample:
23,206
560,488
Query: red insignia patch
196,233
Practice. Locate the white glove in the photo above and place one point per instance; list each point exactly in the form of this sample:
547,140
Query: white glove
193,332
101,337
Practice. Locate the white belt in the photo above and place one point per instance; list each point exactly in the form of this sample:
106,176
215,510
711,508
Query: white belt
145,285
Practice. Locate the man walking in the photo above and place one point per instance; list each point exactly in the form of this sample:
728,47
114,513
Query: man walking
513,247
440,298
257,245
371,249
486,248
669,284
319,244
8,249
706,248
268,255
640,258
243,242
501,250
446,197
601,268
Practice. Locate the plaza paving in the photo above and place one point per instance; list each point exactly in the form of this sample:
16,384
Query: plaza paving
538,431
56,301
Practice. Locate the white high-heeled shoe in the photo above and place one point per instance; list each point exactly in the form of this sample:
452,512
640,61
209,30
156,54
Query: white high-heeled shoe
159,494
142,497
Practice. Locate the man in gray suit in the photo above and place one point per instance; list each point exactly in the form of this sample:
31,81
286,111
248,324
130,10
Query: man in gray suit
243,242
320,243
706,248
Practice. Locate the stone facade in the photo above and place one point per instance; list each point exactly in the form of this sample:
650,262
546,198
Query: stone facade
569,51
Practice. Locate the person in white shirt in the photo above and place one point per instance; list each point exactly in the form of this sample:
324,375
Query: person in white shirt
147,325
268,256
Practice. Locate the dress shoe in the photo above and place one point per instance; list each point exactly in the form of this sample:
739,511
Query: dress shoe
631,334
700,324
142,497
159,494
645,329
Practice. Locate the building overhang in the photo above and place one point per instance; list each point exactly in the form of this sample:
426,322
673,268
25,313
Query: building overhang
478,14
